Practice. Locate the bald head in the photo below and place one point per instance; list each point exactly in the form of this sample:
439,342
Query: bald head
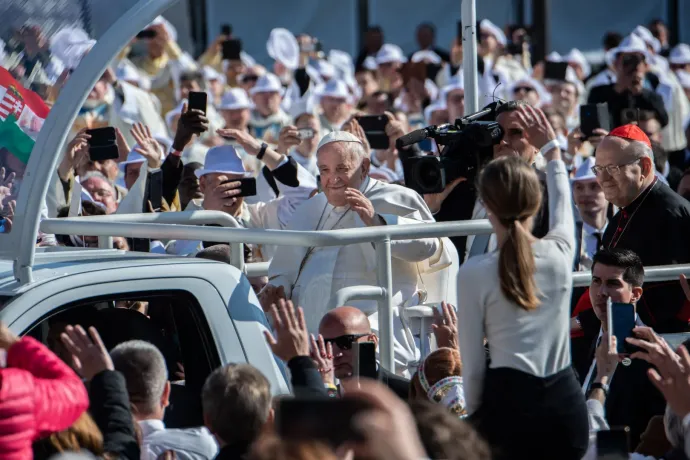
351,320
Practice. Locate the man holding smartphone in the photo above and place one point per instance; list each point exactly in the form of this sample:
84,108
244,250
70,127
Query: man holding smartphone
628,396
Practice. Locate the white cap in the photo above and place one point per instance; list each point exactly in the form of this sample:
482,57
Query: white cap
283,47
680,54
435,107
132,158
70,45
683,78
390,53
554,56
127,72
576,57
584,171
235,98
222,160
630,44
489,27
268,83
168,26
426,56
648,37
342,62
210,74
457,82
304,106
324,68
338,136
544,95
246,59
370,63
337,89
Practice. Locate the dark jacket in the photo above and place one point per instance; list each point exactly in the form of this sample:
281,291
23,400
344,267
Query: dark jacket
399,385
619,102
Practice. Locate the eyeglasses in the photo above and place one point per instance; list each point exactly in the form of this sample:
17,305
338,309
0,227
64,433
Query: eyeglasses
526,89
344,342
613,170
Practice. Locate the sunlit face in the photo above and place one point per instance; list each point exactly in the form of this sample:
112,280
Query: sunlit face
188,86
455,101
367,83
487,43
335,109
526,92
308,146
106,167
589,197
631,77
102,192
652,128
236,118
267,103
99,91
515,141
564,97
340,169
439,117
627,183
132,171
343,358
607,281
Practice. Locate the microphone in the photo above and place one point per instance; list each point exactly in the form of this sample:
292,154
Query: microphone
411,138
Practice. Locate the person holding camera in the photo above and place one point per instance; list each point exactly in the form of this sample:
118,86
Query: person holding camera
630,92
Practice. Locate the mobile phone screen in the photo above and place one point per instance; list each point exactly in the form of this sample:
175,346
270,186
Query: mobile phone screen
621,318
555,70
374,127
198,100
247,186
328,419
101,137
232,49
613,444
365,359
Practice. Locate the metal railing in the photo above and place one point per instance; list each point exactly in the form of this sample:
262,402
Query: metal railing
158,226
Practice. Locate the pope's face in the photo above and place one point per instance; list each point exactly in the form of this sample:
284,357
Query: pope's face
340,168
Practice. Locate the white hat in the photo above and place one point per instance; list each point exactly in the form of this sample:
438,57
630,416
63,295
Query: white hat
235,98
435,107
370,63
680,54
283,47
544,95
127,72
246,59
683,78
584,171
223,160
268,83
304,106
324,68
338,136
630,44
554,56
457,82
342,62
337,89
165,141
576,57
390,53
426,55
70,45
132,158
168,26
489,27
210,74
648,37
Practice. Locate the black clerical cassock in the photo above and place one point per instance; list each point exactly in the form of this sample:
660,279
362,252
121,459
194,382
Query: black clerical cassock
656,226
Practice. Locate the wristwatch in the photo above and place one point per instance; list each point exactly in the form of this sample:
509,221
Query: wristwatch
601,386
262,151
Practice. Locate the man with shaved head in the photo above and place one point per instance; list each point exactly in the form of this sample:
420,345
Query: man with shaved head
344,326
351,199
653,221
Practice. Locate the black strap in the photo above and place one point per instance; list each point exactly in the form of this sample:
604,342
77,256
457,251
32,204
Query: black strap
268,175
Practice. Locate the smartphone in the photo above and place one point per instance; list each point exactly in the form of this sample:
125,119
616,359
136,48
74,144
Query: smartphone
232,49
365,360
555,70
154,191
226,29
146,34
198,100
247,186
621,322
325,419
305,133
594,116
103,144
374,127
613,444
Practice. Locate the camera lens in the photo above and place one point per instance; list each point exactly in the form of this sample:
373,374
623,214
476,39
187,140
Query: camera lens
428,175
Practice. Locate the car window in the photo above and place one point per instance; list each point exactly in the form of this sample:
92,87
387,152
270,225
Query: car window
173,321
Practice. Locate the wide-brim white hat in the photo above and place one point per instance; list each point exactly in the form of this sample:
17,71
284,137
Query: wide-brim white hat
283,47
680,54
390,53
584,171
491,28
223,160
235,98
268,83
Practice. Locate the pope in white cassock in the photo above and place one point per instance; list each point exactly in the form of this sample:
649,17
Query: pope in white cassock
351,199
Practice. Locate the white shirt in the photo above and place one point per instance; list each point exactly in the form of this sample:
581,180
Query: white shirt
535,342
590,240
188,444
308,163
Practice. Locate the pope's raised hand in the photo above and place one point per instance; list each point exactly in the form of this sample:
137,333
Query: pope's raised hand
362,206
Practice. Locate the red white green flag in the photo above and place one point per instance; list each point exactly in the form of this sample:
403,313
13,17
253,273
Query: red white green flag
22,113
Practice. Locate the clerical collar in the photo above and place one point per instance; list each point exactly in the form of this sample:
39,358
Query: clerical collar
627,213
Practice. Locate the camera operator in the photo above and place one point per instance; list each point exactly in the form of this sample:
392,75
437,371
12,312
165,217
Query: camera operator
458,201
629,92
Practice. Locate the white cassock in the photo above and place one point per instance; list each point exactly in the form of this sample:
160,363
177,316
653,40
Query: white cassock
328,269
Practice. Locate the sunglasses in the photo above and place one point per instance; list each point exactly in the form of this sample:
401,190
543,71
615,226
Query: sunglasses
526,89
344,342
250,78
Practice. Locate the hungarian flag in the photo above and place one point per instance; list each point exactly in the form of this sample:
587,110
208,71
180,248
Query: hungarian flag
22,113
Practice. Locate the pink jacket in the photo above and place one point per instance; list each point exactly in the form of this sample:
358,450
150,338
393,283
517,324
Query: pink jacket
39,395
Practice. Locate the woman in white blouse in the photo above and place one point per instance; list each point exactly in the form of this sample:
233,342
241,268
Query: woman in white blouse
526,401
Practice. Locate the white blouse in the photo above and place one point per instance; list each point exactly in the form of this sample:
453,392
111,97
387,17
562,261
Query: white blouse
535,342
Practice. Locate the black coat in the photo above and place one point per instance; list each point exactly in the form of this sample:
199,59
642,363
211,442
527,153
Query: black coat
656,226
620,102
398,385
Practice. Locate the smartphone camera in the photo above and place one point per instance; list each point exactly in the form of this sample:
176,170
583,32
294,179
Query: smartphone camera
305,133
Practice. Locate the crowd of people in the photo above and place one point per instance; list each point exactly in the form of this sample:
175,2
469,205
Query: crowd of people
524,366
